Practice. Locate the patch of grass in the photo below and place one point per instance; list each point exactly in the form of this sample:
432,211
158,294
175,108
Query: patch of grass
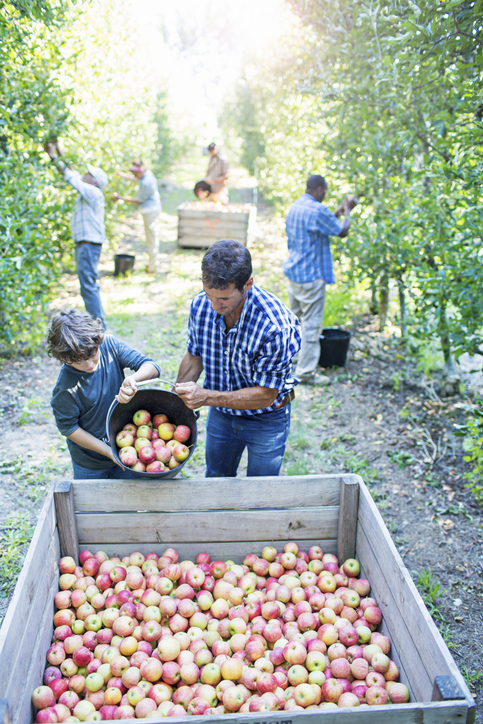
472,678
28,411
401,457
13,547
430,591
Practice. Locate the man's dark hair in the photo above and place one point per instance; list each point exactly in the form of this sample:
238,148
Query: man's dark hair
315,181
74,336
212,146
226,262
202,186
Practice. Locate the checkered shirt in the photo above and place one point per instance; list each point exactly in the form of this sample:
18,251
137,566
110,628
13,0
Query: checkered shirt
257,350
87,222
308,226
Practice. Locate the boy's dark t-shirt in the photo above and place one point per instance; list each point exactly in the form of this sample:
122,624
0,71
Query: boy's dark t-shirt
82,399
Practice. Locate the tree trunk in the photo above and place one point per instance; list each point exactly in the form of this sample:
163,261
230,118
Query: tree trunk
383,301
403,310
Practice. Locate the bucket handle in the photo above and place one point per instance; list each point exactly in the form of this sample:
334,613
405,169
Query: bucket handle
140,384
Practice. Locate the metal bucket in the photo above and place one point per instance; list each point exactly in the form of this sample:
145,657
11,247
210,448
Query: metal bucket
155,402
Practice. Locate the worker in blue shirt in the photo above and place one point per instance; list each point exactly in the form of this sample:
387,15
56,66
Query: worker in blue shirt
243,338
309,268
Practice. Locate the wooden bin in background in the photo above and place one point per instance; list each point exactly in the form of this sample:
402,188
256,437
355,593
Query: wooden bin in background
200,228
229,518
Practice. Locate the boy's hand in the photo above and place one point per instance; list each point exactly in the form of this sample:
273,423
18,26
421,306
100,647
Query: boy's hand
128,390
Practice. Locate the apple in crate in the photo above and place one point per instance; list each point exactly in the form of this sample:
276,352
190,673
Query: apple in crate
141,442
180,452
155,467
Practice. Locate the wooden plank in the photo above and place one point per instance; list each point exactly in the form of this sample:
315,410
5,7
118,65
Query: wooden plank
204,223
193,242
218,551
66,523
21,653
31,671
33,584
408,619
303,523
180,494
348,507
446,713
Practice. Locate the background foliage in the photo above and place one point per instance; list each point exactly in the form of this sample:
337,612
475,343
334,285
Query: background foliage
74,70
386,99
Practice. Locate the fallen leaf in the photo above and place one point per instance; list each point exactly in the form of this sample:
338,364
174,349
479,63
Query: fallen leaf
451,496
459,619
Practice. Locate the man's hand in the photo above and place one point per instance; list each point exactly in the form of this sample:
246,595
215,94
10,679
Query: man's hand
192,394
128,389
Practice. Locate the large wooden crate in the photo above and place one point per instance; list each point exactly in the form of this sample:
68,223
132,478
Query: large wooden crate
201,227
228,518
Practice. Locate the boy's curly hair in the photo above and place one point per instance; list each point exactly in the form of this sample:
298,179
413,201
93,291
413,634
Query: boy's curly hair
74,336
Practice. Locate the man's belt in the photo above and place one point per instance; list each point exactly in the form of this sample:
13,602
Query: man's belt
92,243
288,398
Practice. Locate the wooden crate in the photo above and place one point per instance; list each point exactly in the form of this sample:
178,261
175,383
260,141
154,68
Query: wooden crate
228,518
200,228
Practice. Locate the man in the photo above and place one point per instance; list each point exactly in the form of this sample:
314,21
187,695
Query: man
217,174
244,339
148,201
87,227
309,267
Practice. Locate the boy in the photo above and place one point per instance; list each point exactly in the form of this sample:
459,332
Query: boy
92,375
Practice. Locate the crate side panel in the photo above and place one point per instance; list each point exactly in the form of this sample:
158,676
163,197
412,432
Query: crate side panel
29,629
223,551
33,585
407,618
30,679
446,713
226,526
171,495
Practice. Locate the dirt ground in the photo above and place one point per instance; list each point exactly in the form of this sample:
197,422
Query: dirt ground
381,418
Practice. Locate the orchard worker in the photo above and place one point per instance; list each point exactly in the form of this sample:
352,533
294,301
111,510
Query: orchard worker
149,204
91,376
243,338
87,227
217,174
309,267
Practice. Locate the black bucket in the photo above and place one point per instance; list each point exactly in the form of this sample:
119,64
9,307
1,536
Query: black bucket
334,345
123,263
155,402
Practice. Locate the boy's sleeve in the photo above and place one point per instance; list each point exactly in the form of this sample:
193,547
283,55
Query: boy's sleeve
131,358
66,411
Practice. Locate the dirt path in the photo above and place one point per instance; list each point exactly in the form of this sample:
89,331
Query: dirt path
380,418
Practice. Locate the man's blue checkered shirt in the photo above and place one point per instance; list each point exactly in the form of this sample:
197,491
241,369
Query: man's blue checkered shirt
258,349
308,226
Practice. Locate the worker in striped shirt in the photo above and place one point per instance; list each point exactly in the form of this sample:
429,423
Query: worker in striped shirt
244,339
308,269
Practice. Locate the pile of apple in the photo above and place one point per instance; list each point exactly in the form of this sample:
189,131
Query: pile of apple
150,636
152,446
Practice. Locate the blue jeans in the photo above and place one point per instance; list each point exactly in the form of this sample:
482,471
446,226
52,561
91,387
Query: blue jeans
87,260
264,435
114,472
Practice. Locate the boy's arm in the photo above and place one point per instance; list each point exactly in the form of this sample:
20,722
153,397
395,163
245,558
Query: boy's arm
86,440
129,387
